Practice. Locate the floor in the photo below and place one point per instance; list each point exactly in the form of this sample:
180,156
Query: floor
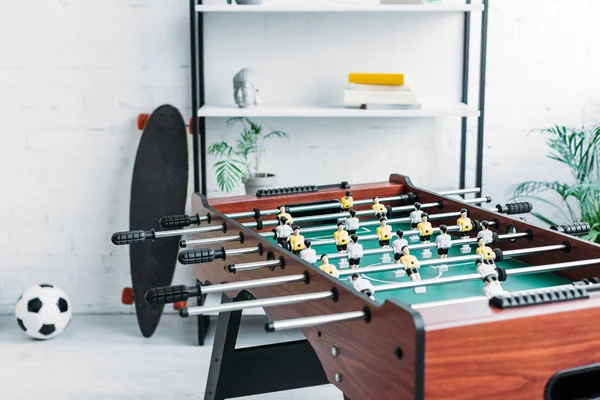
105,357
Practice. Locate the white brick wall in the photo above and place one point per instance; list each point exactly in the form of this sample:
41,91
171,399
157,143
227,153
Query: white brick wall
74,74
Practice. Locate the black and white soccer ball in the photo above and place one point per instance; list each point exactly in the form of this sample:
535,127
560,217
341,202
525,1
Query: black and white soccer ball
43,311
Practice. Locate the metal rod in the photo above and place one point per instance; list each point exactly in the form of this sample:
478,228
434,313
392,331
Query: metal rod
393,266
381,199
313,218
242,250
194,78
186,231
253,265
460,191
255,283
212,240
315,207
458,259
465,96
268,302
306,322
473,277
533,250
412,232
482,72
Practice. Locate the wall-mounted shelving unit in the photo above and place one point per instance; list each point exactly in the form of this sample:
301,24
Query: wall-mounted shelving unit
463,110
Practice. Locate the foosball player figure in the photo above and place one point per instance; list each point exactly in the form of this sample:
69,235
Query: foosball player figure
347,201
489,272
287,216
486,253
485,233
397,245
307,254
465,226
355,252
380,210
328,268
412,268
283,232
363,285
415,218
352,223
384,232
296,241
444,242
426,229
341,238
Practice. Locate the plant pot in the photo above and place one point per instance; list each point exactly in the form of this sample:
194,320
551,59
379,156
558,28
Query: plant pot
249,2
259,181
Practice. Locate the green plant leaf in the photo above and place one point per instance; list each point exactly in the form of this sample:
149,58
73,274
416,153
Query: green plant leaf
228,174
278,134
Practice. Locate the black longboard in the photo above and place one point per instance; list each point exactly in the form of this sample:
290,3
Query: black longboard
159,188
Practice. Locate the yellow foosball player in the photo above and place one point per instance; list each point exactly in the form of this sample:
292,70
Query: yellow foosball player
341,238
465,226
464,223
328,268
425,228
296,241
384,231
380,210
347,201
287,216
487,253
412,264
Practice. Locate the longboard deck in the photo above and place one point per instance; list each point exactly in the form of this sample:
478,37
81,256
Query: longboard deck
159,187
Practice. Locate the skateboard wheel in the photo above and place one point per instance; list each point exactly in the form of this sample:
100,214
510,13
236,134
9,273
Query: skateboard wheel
190,126
127,296
141,121
178,305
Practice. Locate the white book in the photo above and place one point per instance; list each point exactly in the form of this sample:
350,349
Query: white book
397,98
382,88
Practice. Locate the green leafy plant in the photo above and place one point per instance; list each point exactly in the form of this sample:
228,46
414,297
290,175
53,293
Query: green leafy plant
579,150
243,159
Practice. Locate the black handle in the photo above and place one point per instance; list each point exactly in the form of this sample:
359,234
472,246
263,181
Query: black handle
574,229
179,221
131,237
171,294
521,207
199,256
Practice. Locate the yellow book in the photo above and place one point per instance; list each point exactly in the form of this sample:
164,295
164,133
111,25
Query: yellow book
376,79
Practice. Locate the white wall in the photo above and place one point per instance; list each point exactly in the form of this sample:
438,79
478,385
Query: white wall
74,74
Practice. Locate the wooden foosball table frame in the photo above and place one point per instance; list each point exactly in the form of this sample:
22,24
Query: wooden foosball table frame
464,349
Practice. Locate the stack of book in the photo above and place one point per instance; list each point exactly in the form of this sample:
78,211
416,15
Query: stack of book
389,90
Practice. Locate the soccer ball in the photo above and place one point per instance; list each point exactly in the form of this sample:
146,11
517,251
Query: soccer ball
43,311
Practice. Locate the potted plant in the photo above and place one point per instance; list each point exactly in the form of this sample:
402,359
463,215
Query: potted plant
579,150
241,162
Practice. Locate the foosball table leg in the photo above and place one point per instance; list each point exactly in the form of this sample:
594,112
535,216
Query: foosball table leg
203,322
235,372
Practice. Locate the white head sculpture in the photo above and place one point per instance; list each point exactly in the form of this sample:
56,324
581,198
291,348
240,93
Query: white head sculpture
245,88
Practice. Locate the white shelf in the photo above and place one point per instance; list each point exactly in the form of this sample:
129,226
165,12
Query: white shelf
449,110
342,8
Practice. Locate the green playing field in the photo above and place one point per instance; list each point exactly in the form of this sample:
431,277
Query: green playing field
435,292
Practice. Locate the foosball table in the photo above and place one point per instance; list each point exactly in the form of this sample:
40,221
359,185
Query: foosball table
400,292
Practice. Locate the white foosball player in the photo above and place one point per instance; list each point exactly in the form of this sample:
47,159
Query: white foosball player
308,254
490,279
363,285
